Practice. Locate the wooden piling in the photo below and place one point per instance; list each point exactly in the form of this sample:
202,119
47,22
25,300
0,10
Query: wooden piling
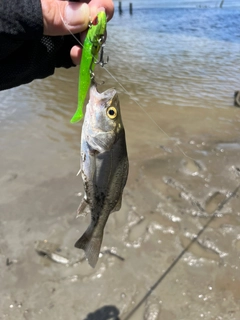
130,8
120,7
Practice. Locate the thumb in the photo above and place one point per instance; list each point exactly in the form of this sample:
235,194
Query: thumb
61,16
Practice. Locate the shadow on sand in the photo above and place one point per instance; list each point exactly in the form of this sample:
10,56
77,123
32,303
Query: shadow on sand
104,313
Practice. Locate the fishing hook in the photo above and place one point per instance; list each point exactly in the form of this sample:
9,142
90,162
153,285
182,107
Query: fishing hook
101,61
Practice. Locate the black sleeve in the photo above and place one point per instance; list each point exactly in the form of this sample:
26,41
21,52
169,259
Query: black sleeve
25,54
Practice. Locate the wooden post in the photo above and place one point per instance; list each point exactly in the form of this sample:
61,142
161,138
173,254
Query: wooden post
120,7
130,8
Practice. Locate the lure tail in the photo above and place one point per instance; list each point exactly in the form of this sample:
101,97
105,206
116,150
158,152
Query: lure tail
91,245
77,116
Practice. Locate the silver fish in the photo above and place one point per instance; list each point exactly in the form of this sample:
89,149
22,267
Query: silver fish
104,166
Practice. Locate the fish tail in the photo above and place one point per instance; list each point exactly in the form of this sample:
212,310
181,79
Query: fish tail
91,245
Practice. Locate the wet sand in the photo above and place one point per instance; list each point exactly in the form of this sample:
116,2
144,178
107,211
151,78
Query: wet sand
172,252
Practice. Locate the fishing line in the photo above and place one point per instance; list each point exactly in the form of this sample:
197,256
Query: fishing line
66,25
126,91
219,208
146,113
184,251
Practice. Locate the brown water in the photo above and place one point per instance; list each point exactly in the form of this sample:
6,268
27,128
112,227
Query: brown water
173,251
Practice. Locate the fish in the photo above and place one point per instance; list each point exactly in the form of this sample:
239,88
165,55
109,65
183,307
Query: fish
104,166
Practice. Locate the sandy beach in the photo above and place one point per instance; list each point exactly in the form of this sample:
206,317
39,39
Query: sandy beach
147,269
173,250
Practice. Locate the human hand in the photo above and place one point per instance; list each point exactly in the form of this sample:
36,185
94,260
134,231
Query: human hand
61,17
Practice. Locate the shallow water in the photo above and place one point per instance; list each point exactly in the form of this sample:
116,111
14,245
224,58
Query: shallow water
183,72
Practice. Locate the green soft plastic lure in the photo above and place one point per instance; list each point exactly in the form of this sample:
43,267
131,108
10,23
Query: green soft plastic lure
91,47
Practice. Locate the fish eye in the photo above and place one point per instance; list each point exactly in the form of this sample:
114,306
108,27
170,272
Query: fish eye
112,112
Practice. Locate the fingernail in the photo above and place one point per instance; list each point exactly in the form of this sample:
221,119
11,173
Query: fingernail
100,9
94,11
77,14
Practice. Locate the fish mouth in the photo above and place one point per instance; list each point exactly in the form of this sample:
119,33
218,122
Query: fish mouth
102,99
109,93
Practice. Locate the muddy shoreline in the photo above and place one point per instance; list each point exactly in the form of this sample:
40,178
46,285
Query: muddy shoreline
169,198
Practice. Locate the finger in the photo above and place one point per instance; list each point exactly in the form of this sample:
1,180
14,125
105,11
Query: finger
76,53
61,16
96,5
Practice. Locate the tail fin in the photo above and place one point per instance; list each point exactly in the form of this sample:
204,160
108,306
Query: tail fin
91,245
